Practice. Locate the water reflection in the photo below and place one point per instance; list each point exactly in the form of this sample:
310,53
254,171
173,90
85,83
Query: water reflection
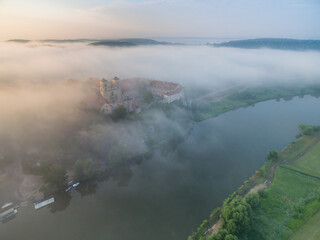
61,202
9,219
87,188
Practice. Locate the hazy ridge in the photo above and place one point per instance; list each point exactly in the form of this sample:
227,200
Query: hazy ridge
273,43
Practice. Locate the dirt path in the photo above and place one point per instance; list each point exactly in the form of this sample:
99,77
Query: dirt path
273,168
216,226
257,188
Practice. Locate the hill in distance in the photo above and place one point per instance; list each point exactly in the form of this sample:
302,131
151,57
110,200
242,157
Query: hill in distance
130,42
273,43
124,42
19,40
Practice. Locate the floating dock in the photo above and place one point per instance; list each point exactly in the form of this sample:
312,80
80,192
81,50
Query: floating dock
7,214
43,204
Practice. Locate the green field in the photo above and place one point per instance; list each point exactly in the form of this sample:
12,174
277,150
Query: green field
310,230
309,164
297,147
278,217
293,197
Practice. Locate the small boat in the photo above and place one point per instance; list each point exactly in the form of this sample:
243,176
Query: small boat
69,188
76,184
44,203
6,205
70,183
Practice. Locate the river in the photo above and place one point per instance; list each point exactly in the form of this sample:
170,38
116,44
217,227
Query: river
168,196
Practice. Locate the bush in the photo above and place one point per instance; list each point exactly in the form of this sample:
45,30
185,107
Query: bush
214,213
253,200
231,237
308,130
236,217
221,235
262,193
273,155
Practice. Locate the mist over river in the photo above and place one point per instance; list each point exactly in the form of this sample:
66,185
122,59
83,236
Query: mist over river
167,197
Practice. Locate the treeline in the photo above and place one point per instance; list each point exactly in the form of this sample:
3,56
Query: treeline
308,129
275,92
205,109
235,217
274,43
54,176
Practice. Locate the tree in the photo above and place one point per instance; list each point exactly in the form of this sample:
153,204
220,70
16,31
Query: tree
262,193
232,227
273,155
308,130
253,200
222,233
83,169
119,113
147,97
55,176
231,237
236,216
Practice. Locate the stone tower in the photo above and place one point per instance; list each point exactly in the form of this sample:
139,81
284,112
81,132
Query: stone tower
110,90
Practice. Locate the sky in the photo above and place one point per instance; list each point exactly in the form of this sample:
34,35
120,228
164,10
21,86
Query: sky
43,19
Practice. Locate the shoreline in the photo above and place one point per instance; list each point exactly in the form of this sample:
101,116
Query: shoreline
258,181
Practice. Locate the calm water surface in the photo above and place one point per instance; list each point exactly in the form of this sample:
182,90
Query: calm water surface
168,196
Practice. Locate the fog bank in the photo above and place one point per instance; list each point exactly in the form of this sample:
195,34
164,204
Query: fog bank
188,65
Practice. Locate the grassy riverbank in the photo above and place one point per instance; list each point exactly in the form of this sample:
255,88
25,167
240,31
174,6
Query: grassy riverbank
205,108
288,208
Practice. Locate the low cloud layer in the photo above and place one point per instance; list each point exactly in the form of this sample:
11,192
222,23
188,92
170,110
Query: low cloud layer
38,105
188,65
46,119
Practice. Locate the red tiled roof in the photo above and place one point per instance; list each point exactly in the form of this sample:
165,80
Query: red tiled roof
156,83
170,93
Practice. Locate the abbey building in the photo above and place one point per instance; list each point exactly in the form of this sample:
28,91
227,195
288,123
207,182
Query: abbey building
114,97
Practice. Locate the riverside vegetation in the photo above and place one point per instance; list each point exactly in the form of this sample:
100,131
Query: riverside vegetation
233,99
289,206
